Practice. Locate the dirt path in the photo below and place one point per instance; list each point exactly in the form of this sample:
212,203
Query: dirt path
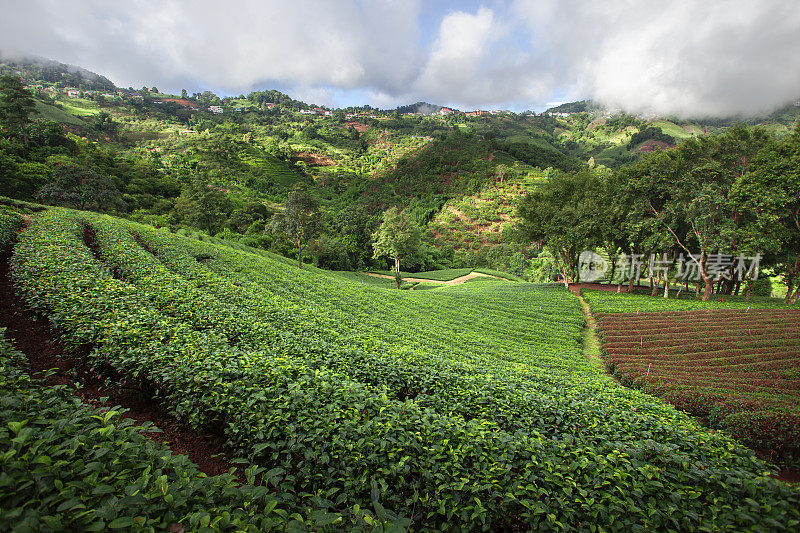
576,287
34,337
591,342
456,281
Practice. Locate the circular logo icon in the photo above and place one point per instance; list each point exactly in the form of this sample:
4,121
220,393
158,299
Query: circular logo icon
591,266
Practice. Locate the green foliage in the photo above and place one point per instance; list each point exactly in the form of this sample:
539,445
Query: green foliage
537,156
488,414
16,107
300,220
436,275
613,302
81,188
68,466
562,214
10,222
647,134
396,237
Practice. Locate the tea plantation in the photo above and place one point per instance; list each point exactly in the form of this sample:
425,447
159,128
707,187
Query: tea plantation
469,407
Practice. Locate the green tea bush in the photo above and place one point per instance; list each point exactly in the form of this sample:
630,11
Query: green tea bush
68,466
461,407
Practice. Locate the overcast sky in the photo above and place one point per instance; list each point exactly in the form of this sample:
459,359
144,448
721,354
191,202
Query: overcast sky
681,57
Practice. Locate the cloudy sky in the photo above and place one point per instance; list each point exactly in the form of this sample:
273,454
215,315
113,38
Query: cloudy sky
682,57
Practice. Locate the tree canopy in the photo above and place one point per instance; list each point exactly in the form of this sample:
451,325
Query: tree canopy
16,107
396,237
300,220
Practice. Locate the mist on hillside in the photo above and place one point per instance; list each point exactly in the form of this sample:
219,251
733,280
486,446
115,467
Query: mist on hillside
677,58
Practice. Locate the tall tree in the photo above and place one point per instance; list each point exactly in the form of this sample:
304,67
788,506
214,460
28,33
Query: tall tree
204,203
16,107
770,196
562,214
300,221
397,236
81,188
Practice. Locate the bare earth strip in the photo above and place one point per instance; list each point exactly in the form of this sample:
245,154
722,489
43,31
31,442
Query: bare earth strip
457,281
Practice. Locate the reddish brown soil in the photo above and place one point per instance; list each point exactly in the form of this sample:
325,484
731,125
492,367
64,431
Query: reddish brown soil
35,337
651,145
576,287
313,158
359,126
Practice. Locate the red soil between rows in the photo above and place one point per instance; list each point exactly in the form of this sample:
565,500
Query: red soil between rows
35,337
722,345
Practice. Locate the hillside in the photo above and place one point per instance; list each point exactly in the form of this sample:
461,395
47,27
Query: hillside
160,151
357,405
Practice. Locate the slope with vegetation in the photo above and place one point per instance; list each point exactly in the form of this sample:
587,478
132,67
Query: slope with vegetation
433,409
168,160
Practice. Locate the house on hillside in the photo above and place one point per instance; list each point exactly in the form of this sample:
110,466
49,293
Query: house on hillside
270,105
73,93
476,113
217,110
445,111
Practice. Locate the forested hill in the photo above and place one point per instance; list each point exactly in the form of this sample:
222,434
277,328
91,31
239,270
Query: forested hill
48,71
224,166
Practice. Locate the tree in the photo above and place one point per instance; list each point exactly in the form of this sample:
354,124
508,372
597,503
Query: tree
300,220
355,224
204,203
770,199
396,237
81,188
563,215
16,106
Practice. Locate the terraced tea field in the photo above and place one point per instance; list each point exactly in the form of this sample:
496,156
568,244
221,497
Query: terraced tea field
359,407
738,368
734,363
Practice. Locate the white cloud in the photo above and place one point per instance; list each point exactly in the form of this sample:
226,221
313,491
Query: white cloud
676,56
672,57
228,46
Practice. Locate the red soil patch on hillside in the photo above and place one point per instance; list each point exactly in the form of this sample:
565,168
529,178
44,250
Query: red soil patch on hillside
595,123
651,145
313,158
359,126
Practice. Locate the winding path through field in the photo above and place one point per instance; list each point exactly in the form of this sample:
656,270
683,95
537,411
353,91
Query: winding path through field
591,341
456,281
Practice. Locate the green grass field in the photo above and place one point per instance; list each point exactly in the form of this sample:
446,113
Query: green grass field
79,106
674,130
48,112
462,407
612,302
436,275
